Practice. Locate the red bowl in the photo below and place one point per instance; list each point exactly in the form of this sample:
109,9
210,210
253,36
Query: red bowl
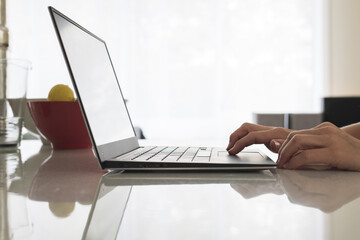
61,123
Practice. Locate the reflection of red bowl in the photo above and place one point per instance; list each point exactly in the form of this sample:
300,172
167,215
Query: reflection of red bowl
61,123
67,176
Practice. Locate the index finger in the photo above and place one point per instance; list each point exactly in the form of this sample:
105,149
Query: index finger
242,131
257,137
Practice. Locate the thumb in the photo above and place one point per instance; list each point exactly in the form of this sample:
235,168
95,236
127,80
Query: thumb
276,144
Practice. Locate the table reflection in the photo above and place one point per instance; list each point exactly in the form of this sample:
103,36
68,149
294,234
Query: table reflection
8,157
66,180
14,176
66,177
27,170
324,190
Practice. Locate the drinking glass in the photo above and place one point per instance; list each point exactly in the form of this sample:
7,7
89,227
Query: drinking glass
13,87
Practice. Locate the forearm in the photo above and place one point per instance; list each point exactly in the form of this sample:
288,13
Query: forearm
353,130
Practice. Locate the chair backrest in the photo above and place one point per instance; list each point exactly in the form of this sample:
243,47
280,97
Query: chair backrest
341,111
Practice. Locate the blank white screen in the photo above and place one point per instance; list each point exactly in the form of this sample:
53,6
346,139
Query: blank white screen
96,83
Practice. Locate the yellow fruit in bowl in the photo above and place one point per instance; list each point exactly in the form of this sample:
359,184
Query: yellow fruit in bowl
61,92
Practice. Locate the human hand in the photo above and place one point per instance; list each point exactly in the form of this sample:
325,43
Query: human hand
324,144
249,134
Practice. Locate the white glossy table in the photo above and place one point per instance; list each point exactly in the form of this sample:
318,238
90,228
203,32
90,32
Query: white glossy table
46,194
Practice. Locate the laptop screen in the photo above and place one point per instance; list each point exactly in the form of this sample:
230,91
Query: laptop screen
95,82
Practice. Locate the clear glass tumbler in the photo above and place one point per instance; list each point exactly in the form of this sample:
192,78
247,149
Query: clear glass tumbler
13,87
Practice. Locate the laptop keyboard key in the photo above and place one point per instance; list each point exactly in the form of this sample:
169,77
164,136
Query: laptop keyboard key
185,159
171,159
201,159
156,158
204,153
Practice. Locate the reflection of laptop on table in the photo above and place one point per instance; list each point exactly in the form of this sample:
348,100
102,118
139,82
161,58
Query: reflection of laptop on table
114,189
108,121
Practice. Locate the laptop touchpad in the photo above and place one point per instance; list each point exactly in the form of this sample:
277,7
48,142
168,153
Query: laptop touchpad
244,156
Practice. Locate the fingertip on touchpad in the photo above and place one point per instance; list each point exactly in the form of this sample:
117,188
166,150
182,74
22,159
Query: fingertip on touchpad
242,153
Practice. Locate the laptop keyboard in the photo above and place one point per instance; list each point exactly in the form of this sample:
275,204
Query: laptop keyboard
174,154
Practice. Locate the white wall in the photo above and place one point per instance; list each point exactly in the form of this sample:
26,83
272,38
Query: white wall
344,48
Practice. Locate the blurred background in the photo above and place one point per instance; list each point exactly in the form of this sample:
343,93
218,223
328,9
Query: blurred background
200,68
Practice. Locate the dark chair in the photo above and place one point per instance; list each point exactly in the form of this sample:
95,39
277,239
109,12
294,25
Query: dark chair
341,111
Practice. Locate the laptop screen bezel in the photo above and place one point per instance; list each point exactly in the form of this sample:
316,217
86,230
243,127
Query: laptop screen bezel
106,151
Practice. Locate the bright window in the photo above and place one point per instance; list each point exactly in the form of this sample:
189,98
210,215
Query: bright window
189,68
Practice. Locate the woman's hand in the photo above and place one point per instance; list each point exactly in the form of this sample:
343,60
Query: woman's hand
249,134
324,144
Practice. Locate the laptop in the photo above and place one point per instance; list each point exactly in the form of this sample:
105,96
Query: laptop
107,119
